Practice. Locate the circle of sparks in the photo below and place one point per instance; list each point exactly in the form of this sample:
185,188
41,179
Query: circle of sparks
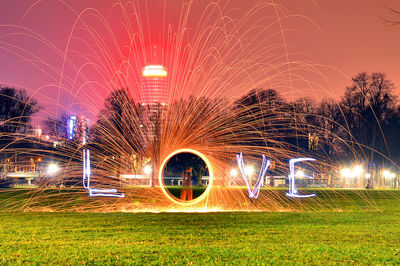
168,194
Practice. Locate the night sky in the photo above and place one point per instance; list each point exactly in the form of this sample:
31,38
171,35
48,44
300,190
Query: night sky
340,38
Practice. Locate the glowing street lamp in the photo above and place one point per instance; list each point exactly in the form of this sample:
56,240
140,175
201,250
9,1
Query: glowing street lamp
299,173
388,174
249,170
346,173
147,169
52,169
234,173
358,170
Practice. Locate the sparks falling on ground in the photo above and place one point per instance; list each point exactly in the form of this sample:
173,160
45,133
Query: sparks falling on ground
171,82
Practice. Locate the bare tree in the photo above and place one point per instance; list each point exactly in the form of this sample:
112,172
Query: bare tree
16,110
368,106
395,17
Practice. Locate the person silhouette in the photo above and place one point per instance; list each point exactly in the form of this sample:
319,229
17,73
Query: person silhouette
187,191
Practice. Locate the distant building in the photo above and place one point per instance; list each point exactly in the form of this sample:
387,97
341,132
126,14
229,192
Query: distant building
154,85
154,98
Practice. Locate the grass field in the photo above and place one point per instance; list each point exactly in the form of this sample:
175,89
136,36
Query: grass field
355,236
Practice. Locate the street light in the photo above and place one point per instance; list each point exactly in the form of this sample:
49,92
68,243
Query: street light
234,173
147,169
248,170
52,169
346,173
358,170
388,174
299,173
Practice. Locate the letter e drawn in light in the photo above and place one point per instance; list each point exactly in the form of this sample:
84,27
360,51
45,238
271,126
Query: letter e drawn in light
293,193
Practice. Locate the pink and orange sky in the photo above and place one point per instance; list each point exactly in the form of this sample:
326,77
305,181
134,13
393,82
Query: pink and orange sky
340,37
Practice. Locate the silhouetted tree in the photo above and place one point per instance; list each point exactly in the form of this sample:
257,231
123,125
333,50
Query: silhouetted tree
16,110
278,124
331,134
395,18
368,106
263,114
120,124
118,133
392,134
304,124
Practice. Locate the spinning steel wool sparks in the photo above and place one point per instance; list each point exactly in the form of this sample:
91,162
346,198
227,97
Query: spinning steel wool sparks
178,83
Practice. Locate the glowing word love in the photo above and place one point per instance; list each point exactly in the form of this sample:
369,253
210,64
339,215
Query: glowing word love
255,191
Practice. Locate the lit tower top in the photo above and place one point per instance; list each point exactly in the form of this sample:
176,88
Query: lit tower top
154,85
154,71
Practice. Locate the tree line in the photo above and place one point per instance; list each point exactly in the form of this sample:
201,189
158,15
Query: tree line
361,125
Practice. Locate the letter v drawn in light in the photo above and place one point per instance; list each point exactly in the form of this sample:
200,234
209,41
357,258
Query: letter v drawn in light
255,191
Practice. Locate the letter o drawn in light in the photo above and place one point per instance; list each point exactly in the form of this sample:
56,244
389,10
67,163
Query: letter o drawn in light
168,194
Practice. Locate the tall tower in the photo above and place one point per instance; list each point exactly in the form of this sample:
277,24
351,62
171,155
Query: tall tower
154,99
154,81
154,85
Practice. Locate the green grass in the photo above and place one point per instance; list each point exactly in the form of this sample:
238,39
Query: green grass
184,238
176,191
72,199
351,236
